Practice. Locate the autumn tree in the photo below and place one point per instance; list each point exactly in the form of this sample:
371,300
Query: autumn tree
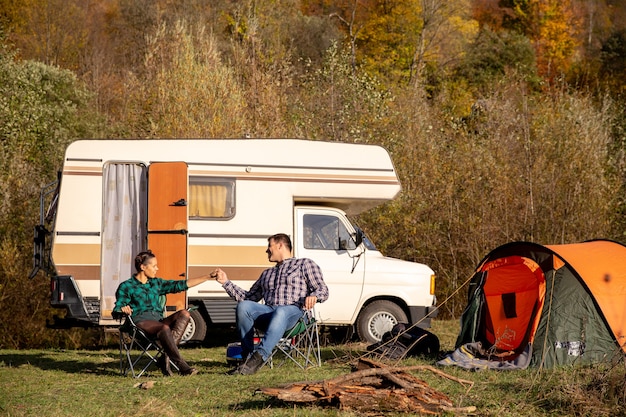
552,27
264,40
398,40
613,62
490,13
51,31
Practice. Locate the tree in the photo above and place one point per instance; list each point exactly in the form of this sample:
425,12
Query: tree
398,40
552,27
52,31
184,89
493,54
341,103
523,166
613,62
42,109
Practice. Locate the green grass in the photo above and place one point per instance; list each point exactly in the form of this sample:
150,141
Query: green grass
88,383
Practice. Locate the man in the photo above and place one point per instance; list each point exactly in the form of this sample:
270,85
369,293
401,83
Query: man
288,288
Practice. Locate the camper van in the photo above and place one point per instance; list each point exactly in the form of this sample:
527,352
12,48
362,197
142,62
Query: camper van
207,203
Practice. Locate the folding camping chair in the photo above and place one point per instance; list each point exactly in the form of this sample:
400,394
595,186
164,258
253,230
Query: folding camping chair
300,344
138,350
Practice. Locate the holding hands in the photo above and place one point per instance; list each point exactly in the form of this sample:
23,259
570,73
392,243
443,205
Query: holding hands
220,276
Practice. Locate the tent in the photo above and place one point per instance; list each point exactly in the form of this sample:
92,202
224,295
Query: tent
534,305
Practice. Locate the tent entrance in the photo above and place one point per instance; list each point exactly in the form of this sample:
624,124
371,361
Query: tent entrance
514,291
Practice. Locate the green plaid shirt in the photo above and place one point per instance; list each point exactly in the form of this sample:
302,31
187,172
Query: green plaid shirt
146,298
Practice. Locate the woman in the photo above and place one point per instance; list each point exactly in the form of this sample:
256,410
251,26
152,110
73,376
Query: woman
140,297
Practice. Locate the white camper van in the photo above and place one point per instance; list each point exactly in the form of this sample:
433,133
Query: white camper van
201,204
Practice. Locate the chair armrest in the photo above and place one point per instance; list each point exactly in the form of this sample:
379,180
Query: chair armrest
118,315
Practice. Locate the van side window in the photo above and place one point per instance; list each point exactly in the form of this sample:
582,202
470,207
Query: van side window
326,232
211,198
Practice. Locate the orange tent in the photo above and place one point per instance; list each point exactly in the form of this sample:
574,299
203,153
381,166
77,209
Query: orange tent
552,305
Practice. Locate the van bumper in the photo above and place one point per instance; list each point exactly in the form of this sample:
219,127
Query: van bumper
422,315
65,295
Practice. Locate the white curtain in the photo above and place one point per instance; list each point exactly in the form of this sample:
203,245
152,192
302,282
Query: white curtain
123,227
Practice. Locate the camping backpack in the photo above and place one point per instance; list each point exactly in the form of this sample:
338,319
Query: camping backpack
400,342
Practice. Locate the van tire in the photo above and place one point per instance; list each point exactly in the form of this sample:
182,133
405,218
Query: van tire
377,318
196,329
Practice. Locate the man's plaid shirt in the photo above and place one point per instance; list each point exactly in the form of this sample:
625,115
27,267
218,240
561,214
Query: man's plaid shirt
287,283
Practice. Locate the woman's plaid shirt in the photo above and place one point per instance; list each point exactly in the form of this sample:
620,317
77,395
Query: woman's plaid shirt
146,297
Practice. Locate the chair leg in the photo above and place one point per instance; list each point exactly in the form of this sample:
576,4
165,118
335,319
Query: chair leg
123,354
303,349
147,353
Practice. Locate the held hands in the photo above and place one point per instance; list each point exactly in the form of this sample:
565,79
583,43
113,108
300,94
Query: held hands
220,276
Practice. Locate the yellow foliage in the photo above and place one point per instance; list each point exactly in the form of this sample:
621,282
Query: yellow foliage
554,34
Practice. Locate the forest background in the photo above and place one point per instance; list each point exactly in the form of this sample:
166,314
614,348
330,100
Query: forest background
505,119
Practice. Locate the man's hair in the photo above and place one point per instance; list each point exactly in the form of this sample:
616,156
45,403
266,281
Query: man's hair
281,237
142,258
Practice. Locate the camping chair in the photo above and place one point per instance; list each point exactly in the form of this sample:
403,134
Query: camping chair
300,344
148,350
132,338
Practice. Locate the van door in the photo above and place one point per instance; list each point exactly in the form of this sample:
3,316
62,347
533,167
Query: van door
167,224
324,235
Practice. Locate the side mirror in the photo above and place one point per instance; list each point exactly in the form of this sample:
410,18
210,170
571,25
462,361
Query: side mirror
358,237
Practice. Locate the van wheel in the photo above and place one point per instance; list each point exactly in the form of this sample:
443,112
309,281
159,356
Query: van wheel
378,318
196,329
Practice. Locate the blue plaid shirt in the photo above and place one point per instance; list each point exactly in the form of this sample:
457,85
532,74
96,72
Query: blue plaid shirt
287,283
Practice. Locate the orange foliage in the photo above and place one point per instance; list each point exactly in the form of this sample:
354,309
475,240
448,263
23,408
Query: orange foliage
553,26
489,13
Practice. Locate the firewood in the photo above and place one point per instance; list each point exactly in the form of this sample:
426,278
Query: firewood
374,390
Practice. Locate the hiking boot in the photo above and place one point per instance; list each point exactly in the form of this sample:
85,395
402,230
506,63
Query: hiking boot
179,327
252,365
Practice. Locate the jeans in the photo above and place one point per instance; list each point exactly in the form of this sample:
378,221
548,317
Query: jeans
273,320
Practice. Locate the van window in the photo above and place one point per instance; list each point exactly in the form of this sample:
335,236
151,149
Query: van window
211,198
326,232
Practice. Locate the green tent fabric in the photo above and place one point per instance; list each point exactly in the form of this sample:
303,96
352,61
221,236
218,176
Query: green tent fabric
572,329
535,305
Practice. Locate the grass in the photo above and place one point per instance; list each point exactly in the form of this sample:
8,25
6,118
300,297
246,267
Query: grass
87,383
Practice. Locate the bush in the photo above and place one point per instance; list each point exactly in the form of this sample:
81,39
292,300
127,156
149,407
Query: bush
42,109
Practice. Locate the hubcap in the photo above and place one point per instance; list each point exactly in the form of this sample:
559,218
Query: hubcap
189,331
381,323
